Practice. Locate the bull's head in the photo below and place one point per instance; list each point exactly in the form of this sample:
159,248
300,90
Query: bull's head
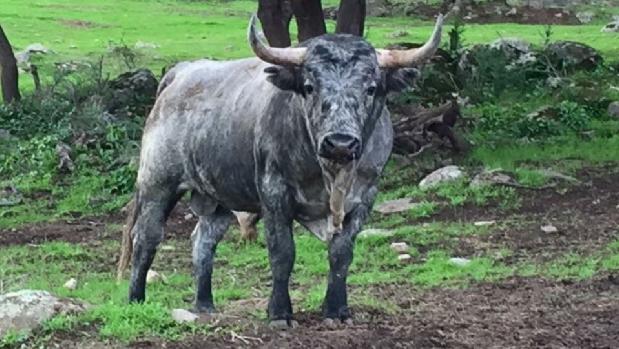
343,81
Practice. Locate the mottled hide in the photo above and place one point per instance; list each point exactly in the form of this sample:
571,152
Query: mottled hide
302,140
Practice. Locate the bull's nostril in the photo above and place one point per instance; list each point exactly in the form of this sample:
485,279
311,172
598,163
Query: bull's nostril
340,146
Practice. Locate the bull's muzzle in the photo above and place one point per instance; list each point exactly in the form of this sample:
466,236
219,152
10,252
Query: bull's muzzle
339,147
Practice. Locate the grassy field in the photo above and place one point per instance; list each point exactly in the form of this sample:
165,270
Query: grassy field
69,227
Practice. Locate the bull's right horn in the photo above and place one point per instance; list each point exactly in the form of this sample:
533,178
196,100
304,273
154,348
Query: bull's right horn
274,55
415,56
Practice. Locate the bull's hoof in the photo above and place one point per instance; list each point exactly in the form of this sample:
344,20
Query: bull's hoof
283,324
205,309
334,323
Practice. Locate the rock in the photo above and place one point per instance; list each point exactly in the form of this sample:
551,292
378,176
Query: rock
549,229
404,258
376,232
167,248
153,277
512,12
512,47
132,92
584,17
394,206
145,45
484,223
613,109
65,164
25,310
71,284
612,27
458,261
491,177
554,81
36,48
399,247
442,175
573,55
397,34
188,216
23,58
183,316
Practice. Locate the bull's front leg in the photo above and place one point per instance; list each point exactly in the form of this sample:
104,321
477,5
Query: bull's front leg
335,305
278,217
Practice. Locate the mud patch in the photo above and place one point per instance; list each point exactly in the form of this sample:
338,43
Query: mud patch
76,23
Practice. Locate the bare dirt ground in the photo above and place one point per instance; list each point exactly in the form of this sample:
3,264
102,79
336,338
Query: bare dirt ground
514,313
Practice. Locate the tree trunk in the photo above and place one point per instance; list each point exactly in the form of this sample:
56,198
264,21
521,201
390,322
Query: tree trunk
351,17
8,71
275,17
310,18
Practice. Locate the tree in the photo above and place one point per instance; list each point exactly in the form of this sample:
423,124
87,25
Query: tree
8,71
310,18
351,17
275,17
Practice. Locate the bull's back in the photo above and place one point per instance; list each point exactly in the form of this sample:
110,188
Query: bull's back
202,126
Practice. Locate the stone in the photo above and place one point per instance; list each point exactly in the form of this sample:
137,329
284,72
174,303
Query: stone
584,17
132,92
612,27
442,175
36,48
404,258
512,46
400,247
183,316
573,55
549,229
613,109
153,277
25,310
460,262
512,12
492,177
71,284
394,206
188,216
554,81
145,45
23,58
484,223
367,233
397,34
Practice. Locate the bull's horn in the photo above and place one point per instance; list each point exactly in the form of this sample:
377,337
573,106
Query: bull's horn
274,55
415,56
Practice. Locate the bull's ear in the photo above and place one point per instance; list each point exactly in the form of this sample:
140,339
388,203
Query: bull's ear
285,78
402,79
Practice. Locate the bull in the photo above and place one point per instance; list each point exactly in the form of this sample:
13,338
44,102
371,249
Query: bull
294,134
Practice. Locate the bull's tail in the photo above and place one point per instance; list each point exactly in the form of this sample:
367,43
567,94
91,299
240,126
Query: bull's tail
126,248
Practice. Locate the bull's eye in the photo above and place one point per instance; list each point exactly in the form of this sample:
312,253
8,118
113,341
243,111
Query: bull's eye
371,90
308,88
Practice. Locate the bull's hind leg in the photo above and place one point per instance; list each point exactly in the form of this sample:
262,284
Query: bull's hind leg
153,205
209,231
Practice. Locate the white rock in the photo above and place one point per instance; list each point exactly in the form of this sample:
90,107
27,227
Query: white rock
613,109
484,223
399,247
376,232
442,175
549,229
612,27
404,258
183,316
168,248
36,48
153,276
461,262
71,284
188,216
394,206
584,17
25,310
145,45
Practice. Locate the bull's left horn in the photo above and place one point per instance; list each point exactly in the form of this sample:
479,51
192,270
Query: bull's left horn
274,55
415,56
